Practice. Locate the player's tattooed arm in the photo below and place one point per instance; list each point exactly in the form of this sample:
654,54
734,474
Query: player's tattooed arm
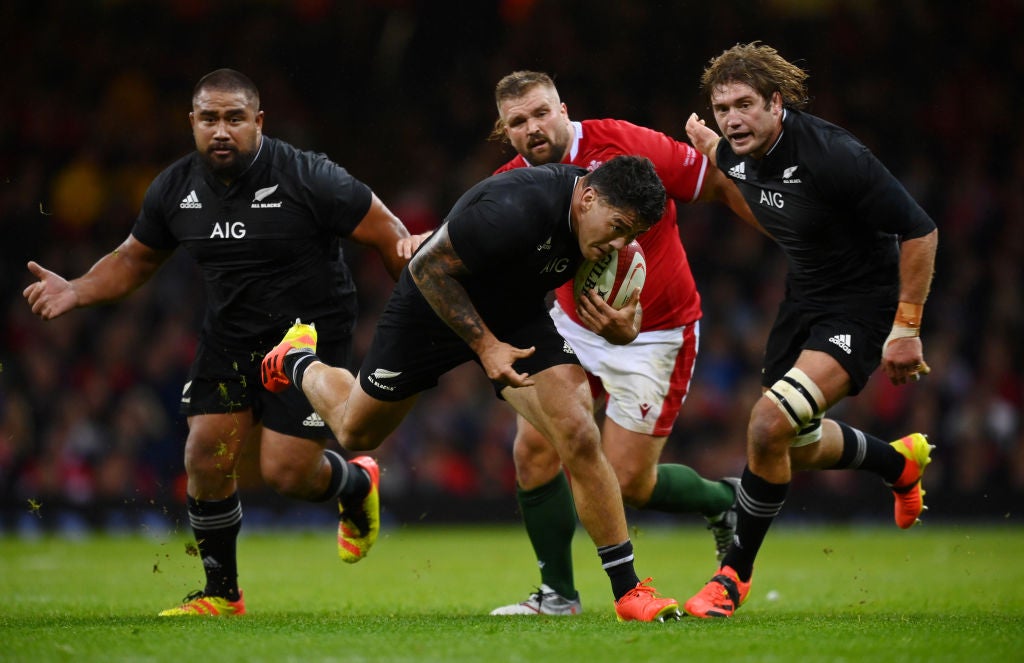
436,269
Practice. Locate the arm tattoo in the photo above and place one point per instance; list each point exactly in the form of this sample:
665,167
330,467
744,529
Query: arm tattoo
436,269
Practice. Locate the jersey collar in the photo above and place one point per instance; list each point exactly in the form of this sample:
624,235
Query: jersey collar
785,111
577,136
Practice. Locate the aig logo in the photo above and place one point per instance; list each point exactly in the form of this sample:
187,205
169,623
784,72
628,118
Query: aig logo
228,230
771,199
556,265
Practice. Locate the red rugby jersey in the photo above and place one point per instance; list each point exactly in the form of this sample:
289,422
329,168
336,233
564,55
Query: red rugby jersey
670,297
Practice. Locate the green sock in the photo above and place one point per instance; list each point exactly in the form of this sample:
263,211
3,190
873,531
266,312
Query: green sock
679,489
550,518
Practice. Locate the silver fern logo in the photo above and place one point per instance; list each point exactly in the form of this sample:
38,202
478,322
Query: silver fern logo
261,194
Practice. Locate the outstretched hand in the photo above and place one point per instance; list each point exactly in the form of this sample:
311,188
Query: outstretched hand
702,137
52,295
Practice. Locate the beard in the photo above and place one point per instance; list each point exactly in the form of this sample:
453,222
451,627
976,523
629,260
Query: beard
231,167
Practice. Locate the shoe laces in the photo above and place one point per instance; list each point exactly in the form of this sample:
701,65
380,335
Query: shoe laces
729,589
192,596
641,588
539,595
722,531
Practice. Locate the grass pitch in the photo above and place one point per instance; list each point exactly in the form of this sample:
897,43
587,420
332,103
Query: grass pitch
935,593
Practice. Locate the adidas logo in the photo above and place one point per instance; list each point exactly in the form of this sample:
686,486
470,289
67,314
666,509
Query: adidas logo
313,421
738,171
566,348
191,201
787,175
843,341
257,198
546,246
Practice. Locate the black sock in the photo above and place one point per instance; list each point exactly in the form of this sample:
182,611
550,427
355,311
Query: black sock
216,525
866,452
295,364
617,561
758,502
344,481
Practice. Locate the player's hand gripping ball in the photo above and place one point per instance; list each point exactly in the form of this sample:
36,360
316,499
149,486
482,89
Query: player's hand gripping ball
615,276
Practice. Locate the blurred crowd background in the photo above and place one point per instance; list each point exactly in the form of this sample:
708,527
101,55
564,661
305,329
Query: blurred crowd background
95,101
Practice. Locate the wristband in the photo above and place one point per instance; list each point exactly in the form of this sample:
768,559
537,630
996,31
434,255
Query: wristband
909,315
907,323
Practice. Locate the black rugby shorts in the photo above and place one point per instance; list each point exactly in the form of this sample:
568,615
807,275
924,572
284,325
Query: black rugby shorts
408,356
223,380
855,341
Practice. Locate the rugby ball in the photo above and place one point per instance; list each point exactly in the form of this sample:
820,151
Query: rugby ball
614,276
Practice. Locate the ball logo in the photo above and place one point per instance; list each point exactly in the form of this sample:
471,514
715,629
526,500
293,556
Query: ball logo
614,276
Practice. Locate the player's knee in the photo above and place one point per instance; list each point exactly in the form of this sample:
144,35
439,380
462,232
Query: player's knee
769,431
635,487
535,459
207,467
289,477
790,410
579,442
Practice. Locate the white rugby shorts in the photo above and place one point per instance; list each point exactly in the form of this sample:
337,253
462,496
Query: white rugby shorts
645,381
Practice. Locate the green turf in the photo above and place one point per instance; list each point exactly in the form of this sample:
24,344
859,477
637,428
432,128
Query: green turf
837,594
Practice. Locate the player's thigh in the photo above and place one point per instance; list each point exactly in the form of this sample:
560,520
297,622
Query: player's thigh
558,406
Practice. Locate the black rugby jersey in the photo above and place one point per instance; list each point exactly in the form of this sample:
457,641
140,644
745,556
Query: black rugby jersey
267,245
835,210
513,234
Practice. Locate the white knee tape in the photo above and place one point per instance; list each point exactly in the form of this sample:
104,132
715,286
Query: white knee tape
809,434
799,399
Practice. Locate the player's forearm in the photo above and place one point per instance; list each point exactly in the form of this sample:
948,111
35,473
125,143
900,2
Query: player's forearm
917,265
113,277
381,230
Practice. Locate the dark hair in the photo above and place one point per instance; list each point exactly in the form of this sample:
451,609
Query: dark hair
761,67
228,80
514,86
630,183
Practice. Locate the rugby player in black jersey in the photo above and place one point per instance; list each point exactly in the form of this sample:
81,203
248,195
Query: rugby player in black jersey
475,291
861,254
263,221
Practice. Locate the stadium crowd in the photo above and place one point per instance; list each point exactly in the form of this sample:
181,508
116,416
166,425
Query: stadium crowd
90,434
